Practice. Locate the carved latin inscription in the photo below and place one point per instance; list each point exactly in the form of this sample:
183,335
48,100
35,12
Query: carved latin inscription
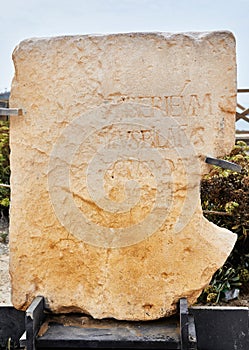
192,105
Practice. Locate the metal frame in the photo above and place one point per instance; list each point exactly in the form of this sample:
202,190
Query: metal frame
216,327
159,334
221,327
187,327
242,113
35,316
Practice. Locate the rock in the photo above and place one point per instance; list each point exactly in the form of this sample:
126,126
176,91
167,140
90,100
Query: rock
106,165
231,294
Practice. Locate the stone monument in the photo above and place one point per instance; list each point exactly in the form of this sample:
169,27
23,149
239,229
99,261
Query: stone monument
106,166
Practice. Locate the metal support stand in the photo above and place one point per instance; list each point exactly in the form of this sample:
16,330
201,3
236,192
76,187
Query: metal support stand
47,331
34,318
12,326
187,327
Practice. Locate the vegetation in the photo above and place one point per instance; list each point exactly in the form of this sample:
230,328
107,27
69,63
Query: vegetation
4,168
4,180
225,201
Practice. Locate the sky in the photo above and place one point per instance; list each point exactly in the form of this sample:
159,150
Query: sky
22,19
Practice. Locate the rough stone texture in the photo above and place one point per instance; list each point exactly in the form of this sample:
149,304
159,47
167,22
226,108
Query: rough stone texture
106,165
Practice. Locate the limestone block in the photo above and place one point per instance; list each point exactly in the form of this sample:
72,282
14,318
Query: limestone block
106,166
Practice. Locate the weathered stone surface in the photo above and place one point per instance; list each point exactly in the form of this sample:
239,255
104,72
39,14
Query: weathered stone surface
106,166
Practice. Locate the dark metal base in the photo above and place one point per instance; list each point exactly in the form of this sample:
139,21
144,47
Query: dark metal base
112,334
217,328
45,331
222,328
12,326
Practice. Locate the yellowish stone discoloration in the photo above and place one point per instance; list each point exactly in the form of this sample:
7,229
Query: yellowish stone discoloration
106,165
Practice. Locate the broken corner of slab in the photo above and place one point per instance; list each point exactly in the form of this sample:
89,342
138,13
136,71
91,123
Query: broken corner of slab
106,166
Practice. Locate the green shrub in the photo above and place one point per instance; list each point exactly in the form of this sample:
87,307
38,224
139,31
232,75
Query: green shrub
4,168
225,202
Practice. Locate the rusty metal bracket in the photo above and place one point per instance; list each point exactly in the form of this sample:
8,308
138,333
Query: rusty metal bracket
11,111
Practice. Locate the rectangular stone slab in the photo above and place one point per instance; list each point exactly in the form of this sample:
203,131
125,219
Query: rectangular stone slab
106,166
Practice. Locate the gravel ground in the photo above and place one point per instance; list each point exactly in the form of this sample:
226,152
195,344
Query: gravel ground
5,289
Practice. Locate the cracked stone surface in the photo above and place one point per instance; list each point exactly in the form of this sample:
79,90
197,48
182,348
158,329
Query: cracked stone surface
106,166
